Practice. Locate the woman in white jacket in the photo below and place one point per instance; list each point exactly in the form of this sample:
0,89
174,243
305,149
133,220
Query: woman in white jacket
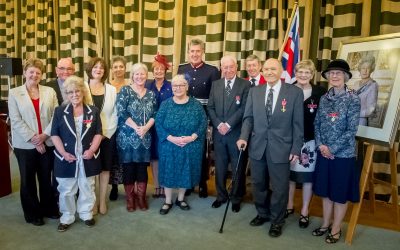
31,108
103,96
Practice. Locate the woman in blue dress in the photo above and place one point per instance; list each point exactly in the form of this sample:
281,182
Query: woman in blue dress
136,108
336,178
163,90
181,125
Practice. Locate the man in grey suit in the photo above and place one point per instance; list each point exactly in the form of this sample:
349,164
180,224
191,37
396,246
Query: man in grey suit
226,106
274,119
65,68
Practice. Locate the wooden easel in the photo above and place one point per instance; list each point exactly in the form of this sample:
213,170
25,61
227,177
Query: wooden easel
367,176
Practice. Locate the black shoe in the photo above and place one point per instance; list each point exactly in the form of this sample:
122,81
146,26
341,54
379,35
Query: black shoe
188,191
90,223
235,207
288,212
275,230
258,221
217,203
164,211
203,191
304,221
53,216
321,231
62,227
37,222
114,193
182,204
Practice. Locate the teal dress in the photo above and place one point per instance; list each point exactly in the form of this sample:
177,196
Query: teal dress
179,167
131,147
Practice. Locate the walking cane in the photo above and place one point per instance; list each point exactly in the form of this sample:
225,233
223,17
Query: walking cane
232,186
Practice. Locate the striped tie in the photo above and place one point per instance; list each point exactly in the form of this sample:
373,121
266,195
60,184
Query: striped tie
228,88
268,106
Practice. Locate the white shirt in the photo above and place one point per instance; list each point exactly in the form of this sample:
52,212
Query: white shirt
232,82
257,82
276,88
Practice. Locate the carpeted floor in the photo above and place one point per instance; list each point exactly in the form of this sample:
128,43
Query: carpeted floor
194,229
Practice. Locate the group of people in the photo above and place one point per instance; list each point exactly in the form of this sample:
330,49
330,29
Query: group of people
294,134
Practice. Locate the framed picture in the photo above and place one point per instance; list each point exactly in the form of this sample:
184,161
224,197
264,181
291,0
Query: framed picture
374,63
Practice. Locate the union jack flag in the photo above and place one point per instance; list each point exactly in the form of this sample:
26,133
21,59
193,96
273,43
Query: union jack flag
291,51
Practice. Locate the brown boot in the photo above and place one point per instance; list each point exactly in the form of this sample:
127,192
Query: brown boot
130,197
141,193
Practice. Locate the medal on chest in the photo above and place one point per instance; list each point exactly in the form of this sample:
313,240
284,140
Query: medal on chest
237,99
312,106
284,105
334,116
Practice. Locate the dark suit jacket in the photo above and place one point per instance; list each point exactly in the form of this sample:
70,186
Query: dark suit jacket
262,79
54,84
232,114
284,135
64,126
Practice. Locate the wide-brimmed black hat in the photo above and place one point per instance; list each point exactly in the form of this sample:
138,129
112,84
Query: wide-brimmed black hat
337,64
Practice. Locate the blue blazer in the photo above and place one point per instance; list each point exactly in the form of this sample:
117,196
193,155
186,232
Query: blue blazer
64,126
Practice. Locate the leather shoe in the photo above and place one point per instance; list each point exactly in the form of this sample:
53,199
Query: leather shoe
182,204
275,230
62,227
217,203
203,192
235,207
258,221
37,222
90,223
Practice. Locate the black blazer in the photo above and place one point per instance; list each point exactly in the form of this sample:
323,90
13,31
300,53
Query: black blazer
233,113
64,126
311,105
54,85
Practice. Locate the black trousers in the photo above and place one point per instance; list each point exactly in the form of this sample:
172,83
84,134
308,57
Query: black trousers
34,165
135,172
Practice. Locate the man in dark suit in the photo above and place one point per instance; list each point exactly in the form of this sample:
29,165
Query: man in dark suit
64,69
225,109
273,119
200,76
253,67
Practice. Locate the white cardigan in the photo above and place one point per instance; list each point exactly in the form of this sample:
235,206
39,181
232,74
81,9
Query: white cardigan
108,114
23,117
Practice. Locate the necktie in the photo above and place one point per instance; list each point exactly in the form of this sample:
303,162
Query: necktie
228,88
268,106
253,82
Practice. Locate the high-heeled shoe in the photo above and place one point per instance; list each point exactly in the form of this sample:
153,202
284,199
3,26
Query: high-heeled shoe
288,212
304,221
333,238
321,231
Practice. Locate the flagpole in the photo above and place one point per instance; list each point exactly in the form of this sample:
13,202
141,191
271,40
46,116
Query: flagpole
296,5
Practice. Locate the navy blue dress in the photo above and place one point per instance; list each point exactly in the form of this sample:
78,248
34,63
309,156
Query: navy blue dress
162,95
179,167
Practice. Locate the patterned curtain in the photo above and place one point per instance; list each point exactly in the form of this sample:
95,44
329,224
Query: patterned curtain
138,29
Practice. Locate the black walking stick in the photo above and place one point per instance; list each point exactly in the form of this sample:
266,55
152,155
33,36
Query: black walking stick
232,186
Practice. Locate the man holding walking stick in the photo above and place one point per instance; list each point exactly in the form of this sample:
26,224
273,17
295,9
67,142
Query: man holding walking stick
273,118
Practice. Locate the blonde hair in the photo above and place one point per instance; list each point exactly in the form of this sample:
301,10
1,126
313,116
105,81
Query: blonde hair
75,82
306,64
34,62
138,66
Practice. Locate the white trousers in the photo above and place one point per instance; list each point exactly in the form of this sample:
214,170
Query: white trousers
68,188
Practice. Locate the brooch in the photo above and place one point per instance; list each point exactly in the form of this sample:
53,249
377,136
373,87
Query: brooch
237,99
333,116
312,106
88,123
284,105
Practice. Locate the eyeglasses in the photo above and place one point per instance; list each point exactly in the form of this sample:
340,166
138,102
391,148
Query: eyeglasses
178,86
333,73
77,92
65,69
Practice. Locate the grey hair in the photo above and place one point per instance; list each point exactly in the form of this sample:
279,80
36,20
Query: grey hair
138,66
370,60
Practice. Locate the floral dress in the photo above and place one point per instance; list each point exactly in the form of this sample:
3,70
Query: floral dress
131,147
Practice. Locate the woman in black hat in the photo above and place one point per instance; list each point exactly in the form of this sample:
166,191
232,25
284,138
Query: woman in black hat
335,178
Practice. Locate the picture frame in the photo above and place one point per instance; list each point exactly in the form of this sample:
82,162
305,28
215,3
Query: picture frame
375,65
